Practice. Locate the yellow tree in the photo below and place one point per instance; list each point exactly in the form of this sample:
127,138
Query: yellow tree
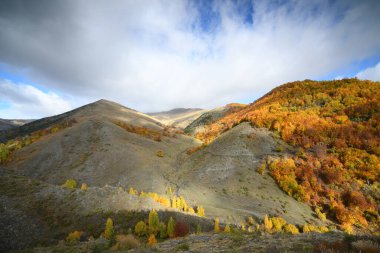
267,224
201,211
216,225
108,232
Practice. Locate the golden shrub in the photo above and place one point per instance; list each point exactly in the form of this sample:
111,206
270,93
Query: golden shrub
291,229
216,225
152,240
74,237
227,229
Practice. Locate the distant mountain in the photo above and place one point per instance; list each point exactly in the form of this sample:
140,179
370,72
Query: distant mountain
178,117
6,124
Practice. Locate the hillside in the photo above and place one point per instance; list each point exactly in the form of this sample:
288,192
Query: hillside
71,171
334,128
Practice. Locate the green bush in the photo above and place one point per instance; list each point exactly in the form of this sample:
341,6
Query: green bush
170,228
163,232
140,228
154,222
70,183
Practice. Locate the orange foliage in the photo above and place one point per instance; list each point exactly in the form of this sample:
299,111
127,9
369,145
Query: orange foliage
335,126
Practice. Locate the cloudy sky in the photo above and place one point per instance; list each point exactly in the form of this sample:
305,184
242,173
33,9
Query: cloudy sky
157,55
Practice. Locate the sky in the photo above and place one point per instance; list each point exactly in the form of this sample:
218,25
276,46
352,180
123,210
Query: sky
158,55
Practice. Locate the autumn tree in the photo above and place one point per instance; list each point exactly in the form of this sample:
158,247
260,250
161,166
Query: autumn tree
216,225
153,222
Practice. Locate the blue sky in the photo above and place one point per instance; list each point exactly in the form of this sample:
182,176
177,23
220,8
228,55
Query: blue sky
158,55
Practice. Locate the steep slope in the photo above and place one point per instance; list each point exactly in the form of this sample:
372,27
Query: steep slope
335,128
179,117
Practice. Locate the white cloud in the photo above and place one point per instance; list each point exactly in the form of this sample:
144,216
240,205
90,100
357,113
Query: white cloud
28,102
154,55
372,73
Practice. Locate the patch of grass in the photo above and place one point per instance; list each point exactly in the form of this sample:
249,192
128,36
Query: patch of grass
182,247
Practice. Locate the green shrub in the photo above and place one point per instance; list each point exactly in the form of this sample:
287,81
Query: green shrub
183,247
163,232
170,228
140,228
153,222
198,229
70,183
4,152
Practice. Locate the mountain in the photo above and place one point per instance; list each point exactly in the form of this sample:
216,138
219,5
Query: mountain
179,117
303,157
6,124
